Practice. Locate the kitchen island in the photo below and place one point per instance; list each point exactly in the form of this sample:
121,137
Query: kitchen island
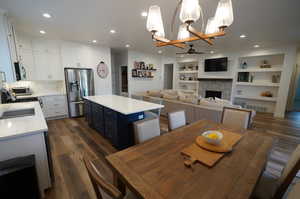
112,116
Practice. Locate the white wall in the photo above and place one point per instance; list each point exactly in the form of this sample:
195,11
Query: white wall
141,84
5,60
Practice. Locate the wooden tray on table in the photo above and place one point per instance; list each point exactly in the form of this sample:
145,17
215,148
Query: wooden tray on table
209,154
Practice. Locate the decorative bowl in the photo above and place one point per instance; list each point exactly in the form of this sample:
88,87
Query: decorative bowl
213,137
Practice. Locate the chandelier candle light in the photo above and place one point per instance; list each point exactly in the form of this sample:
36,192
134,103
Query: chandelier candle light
190,12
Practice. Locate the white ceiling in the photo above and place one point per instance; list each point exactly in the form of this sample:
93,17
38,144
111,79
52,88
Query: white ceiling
268,23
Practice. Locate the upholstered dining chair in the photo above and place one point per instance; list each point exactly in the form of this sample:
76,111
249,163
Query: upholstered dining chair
146,129
295,191
176,119
155,101
236,118
137,97
270,187
99,184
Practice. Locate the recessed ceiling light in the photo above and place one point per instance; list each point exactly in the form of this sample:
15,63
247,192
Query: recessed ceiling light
127,46
46,15
42,32
256,46
94,41
144,14
243,36
212,52
112,31
160,51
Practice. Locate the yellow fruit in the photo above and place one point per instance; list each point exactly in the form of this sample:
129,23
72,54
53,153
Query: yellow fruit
213,136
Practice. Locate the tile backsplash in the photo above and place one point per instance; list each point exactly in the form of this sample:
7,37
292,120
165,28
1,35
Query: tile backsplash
40,86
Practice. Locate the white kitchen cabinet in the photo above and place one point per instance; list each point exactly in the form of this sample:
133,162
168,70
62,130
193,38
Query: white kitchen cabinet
28,145
54,106
47,66
41,58
5,56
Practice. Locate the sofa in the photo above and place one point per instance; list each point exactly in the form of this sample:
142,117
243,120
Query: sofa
195,107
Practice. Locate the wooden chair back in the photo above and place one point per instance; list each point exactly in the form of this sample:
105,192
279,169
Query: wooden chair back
236,118
289,172
99,182
176,119
295,192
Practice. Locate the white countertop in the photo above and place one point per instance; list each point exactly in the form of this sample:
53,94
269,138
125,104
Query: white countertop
123,105
39,95
22,126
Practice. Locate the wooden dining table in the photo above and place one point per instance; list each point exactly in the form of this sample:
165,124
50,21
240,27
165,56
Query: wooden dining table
155,169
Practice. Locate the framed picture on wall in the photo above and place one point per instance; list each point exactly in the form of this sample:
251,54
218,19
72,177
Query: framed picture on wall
134,73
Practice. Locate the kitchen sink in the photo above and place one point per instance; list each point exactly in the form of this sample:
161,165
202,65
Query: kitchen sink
17,113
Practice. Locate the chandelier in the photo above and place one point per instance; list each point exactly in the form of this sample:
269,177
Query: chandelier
190,12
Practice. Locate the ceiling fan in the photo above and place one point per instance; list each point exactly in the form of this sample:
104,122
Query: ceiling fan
191,51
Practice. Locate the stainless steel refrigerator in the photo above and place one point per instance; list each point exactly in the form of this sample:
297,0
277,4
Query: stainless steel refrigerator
79,83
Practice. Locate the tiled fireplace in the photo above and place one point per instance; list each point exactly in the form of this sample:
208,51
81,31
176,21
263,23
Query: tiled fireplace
210,93
220,88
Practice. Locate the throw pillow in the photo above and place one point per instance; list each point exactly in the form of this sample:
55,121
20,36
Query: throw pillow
154,93
170,97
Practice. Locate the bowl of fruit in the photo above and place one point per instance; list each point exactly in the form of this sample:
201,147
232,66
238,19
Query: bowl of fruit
213,137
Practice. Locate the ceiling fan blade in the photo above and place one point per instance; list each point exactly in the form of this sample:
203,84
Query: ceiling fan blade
199,53
181,53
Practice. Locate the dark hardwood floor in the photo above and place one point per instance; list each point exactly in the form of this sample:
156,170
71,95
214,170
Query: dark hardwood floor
71,139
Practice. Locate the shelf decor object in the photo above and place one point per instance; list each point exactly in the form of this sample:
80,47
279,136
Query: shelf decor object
142,70
265,64
244,65
190,12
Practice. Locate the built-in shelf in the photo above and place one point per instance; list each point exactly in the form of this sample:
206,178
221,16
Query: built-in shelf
268,84
149,77
187,81
188,62
215,78
260,70
187,72
260,98
144,69
188,90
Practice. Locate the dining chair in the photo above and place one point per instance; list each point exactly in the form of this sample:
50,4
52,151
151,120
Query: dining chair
236,118
146,129
155,101
176,119
124,94
99,184
295,191
137,97
270,187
